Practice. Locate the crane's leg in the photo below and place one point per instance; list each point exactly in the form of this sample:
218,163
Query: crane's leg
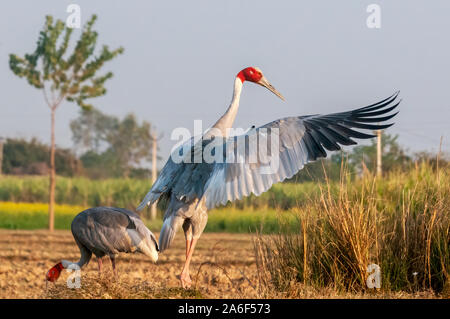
188,246
197,225
100,264
185,278
187,227
113,264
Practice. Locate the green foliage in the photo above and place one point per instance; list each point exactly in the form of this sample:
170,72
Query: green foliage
358,160
127,192
65,76
234,220
34,216
74,191
321,170
114,147
22,157
394,156
101,166
92,130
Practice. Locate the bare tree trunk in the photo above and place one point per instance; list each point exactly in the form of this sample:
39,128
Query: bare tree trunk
154,173
51,204
379,154
1,154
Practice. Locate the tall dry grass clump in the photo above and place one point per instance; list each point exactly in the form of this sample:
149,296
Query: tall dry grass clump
400,222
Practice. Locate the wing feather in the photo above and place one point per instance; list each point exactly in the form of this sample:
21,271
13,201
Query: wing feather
300,140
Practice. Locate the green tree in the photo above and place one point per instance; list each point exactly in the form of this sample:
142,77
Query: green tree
31,157
112,147
61,76
393,155
93,130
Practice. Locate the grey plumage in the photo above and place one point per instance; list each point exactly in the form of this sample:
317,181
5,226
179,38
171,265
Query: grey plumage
192,188
109,231
192,216
302,139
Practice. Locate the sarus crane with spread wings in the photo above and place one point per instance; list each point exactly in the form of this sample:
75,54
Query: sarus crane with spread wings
217,167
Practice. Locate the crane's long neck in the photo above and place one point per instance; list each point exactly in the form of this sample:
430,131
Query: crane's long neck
227,120
84,259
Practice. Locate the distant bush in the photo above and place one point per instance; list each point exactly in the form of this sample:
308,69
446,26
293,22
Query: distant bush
22,157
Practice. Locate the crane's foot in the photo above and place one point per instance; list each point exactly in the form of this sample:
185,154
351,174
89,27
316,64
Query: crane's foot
186,281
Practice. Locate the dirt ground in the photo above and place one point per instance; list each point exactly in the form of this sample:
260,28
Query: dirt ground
223,266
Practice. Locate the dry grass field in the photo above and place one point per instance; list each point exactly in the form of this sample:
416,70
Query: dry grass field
223,267
223,262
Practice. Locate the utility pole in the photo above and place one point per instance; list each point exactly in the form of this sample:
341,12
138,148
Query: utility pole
154,171
1,154
379,153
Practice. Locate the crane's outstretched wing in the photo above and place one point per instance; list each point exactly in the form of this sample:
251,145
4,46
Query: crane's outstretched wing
167,178
301,140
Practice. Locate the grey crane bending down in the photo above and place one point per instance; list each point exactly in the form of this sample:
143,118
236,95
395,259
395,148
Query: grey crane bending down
193,187
108,231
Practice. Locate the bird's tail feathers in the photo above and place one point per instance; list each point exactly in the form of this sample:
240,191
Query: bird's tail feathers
167,233
149,199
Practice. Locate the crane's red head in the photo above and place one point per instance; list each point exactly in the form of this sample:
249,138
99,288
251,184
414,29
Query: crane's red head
250,74
54,272
253,74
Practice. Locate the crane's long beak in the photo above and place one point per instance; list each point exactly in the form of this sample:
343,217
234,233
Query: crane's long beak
267,85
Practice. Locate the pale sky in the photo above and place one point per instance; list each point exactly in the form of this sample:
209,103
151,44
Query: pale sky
181,58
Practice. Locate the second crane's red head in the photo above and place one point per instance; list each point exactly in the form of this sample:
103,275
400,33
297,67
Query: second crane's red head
253,74
54,272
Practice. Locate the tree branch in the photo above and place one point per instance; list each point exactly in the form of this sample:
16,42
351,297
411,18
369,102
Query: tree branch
45,95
